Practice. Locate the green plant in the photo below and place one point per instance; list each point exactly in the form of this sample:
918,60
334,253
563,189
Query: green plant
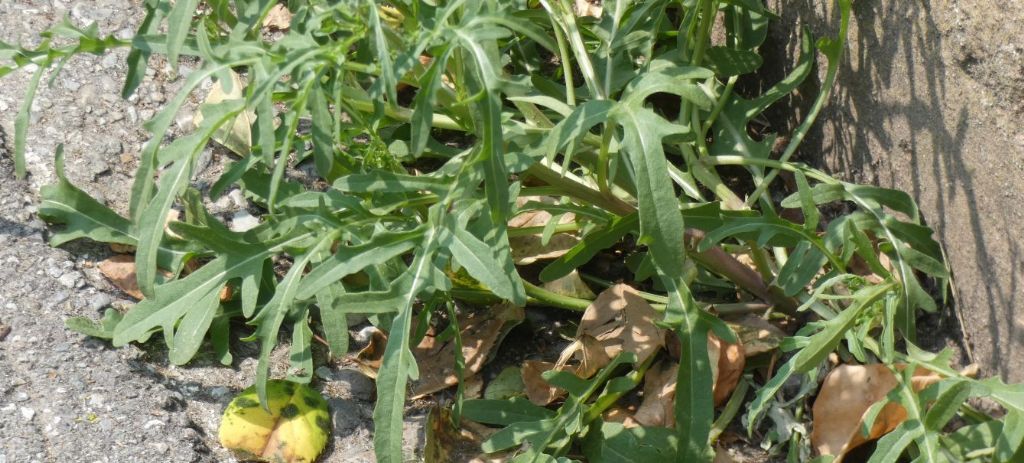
428,120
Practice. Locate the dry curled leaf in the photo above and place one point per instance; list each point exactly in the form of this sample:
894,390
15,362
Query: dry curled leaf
618,320
480,331
279,18
120,270
846,395
727,362
370,357
658,406
590,8
531,248
537,388
756,334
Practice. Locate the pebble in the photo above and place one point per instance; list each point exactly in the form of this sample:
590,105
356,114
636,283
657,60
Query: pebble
358,385
70,280
99,301
20,397
242,221
27,413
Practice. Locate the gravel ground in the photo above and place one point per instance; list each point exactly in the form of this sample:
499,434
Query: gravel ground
65,397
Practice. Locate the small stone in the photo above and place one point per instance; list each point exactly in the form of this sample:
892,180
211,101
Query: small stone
153,424
325,373
237,198
243,221
219,392
161,447
96,401
99,301
27,413
358,385
20,397
70,279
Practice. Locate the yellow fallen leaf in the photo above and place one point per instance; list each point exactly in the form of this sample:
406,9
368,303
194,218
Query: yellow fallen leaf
295,429
235,135
846,395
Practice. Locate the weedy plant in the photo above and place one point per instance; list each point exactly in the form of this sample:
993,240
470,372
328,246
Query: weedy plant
432,123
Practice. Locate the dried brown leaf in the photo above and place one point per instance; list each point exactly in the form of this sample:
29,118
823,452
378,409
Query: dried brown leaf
590,8
530,248
727,362
370,357
846,395
120,270
620,320
480,331
658,406
537,389
279,18
756,334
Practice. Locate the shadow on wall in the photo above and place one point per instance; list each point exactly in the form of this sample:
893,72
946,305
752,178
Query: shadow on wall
892,121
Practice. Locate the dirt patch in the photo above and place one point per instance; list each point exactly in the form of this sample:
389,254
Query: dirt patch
929,100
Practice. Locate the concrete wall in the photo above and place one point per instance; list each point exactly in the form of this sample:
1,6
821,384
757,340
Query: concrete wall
930,101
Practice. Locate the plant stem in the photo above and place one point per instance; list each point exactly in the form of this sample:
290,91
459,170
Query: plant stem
606,400
730,410
819,102
548,298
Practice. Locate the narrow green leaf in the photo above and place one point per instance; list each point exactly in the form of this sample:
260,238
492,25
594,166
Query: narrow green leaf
300,369
378,181
504,412
21,122
179,23
591,244
333,319
269,319
482,263
398,364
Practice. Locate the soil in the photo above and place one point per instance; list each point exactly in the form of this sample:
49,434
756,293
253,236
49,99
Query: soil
66,397
929,100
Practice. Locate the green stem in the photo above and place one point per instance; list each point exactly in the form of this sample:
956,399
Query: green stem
719,104
548,298
563,52
607,399
760,258
729,412
707,18
819,102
